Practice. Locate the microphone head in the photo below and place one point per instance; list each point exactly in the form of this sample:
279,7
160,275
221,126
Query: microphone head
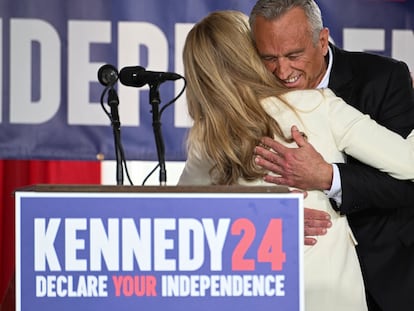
128,76
138,76
107,75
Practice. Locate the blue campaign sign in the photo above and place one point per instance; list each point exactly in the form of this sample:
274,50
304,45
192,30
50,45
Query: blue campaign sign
51,51
158,251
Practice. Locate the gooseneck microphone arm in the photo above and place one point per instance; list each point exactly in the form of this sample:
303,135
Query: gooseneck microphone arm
113,103
108,76
154,97
137,76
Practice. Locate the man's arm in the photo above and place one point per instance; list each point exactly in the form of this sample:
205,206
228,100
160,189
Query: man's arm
362,194
356,178
364,187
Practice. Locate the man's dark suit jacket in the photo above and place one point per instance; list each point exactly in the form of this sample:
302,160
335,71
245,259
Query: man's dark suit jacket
380,209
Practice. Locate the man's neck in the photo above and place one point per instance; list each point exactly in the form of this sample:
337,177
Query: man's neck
325,79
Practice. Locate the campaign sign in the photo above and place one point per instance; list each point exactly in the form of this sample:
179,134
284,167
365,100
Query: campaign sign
158,251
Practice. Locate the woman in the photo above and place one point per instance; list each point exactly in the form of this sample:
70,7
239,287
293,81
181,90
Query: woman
234,101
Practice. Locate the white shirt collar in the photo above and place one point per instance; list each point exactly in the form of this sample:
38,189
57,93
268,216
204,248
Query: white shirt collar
325,80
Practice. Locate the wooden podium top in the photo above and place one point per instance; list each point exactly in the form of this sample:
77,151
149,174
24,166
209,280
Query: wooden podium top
165,189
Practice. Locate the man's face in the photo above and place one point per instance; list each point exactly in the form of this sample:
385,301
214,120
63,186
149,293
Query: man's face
286,48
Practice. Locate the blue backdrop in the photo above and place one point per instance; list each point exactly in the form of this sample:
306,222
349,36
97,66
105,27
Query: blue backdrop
51,51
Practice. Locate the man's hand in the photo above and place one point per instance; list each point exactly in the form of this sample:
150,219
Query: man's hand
301,167
316,223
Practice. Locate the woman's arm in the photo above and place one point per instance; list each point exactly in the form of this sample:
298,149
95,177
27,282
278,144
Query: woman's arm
370,143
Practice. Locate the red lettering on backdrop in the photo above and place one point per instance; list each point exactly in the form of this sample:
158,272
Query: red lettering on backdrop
238,260
134,285
270,247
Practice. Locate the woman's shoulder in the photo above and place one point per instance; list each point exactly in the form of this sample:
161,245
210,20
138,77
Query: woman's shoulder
301,99
310,98
310,94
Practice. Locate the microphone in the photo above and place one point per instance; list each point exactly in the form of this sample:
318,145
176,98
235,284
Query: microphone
137,76
107,75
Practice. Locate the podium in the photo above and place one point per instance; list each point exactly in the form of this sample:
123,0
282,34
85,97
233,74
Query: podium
158,248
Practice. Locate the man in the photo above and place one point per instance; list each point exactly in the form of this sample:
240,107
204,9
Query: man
290,37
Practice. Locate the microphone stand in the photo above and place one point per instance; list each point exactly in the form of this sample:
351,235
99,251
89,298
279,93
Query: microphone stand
156,124
113,103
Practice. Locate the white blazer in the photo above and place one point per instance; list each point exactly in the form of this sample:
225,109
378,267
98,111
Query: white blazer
333,279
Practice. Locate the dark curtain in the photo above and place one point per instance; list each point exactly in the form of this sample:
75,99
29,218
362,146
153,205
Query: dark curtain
19,173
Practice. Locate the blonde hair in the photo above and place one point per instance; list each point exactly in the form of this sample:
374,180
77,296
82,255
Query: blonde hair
226,83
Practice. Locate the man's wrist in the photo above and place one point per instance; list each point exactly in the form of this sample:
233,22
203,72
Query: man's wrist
335,190
327,182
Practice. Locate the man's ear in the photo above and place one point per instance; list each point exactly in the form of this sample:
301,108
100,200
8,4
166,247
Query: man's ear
324,40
